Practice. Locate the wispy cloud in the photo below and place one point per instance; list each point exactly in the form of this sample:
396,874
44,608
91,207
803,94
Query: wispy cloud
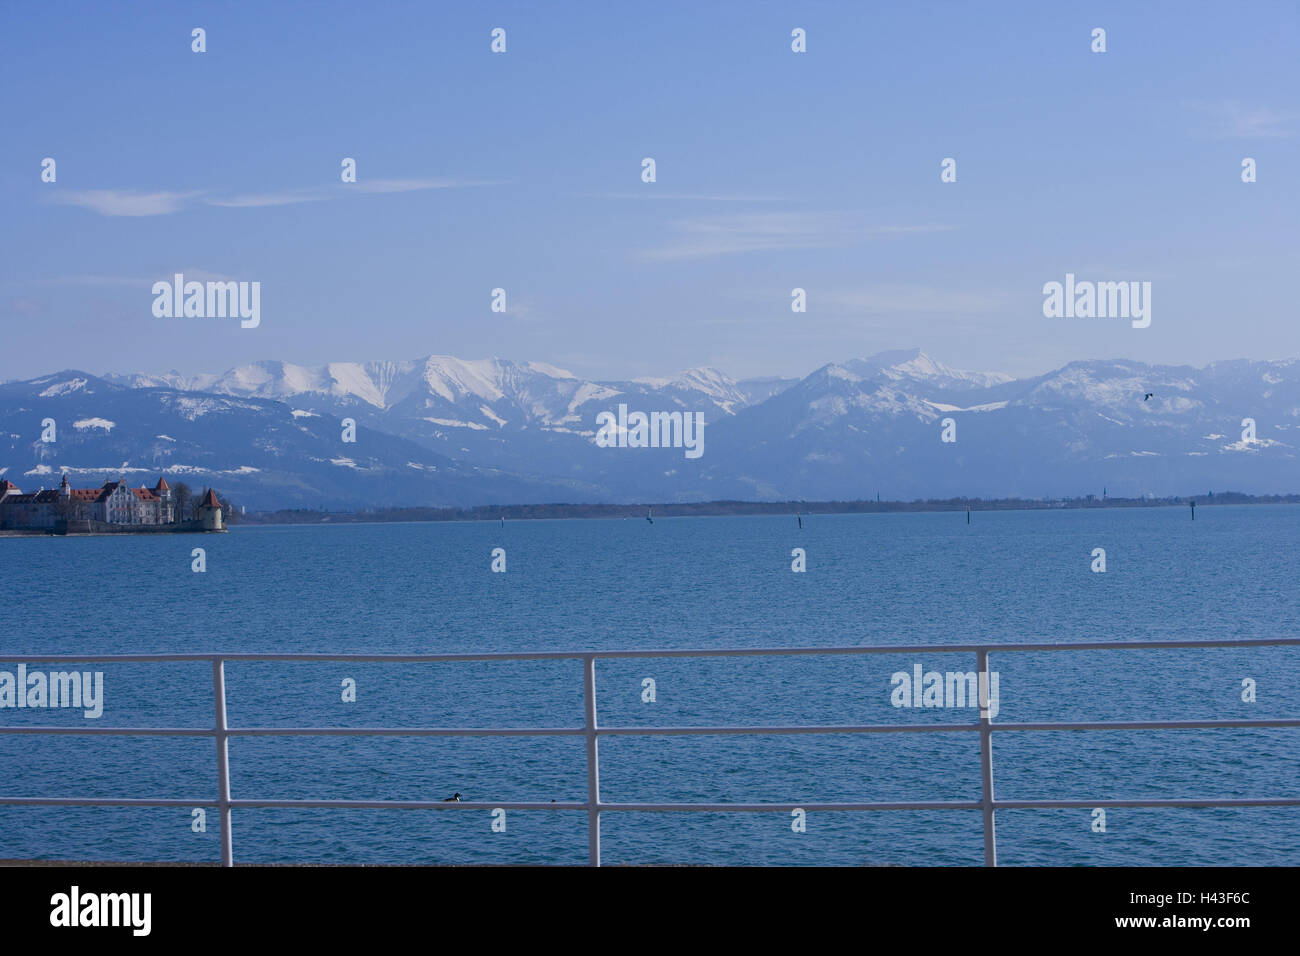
415,185
343,191
1236,120
123,202
771,232
653,193
258,200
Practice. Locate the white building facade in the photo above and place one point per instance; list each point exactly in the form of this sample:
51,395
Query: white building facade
114,503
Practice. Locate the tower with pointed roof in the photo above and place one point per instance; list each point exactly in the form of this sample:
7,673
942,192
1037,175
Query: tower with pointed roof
167,505
210,511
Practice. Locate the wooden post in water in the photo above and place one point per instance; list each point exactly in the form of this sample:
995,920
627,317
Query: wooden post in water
968,514
1193,510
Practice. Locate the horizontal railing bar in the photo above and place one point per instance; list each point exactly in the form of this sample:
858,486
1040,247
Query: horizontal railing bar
655,807
648,731
922,728
643,731
402,805
760,807
305,731
1087,804
483,805
302,804
948,648
114,731
616,654
951,805
1150,724
290,804
787,807
104,802
797,729
405,731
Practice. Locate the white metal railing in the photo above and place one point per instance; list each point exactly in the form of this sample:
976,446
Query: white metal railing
221,732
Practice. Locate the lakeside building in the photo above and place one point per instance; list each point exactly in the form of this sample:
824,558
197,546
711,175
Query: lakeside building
210,512
114,503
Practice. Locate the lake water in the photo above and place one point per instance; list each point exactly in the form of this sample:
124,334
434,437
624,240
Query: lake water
906,579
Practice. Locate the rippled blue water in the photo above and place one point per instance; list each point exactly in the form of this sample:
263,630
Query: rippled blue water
923,579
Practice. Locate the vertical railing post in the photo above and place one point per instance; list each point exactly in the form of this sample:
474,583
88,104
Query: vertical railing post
223,759
593,761
986,758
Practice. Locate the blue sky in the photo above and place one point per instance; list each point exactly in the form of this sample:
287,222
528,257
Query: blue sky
523,171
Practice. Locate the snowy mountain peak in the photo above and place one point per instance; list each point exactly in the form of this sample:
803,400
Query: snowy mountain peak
451,378
915,365
717,386
550,371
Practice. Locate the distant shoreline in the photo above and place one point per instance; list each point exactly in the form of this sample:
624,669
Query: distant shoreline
734,508
140,530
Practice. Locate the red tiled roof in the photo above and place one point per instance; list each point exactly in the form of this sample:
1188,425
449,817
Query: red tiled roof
53,495
162,484
210,500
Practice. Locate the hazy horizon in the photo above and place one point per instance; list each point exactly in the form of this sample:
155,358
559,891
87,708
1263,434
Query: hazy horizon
663,376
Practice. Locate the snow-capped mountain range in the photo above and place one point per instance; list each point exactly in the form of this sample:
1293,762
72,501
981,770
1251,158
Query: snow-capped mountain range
532,392
447,431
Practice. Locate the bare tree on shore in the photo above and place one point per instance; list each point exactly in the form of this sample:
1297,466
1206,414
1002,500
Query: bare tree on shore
183,498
